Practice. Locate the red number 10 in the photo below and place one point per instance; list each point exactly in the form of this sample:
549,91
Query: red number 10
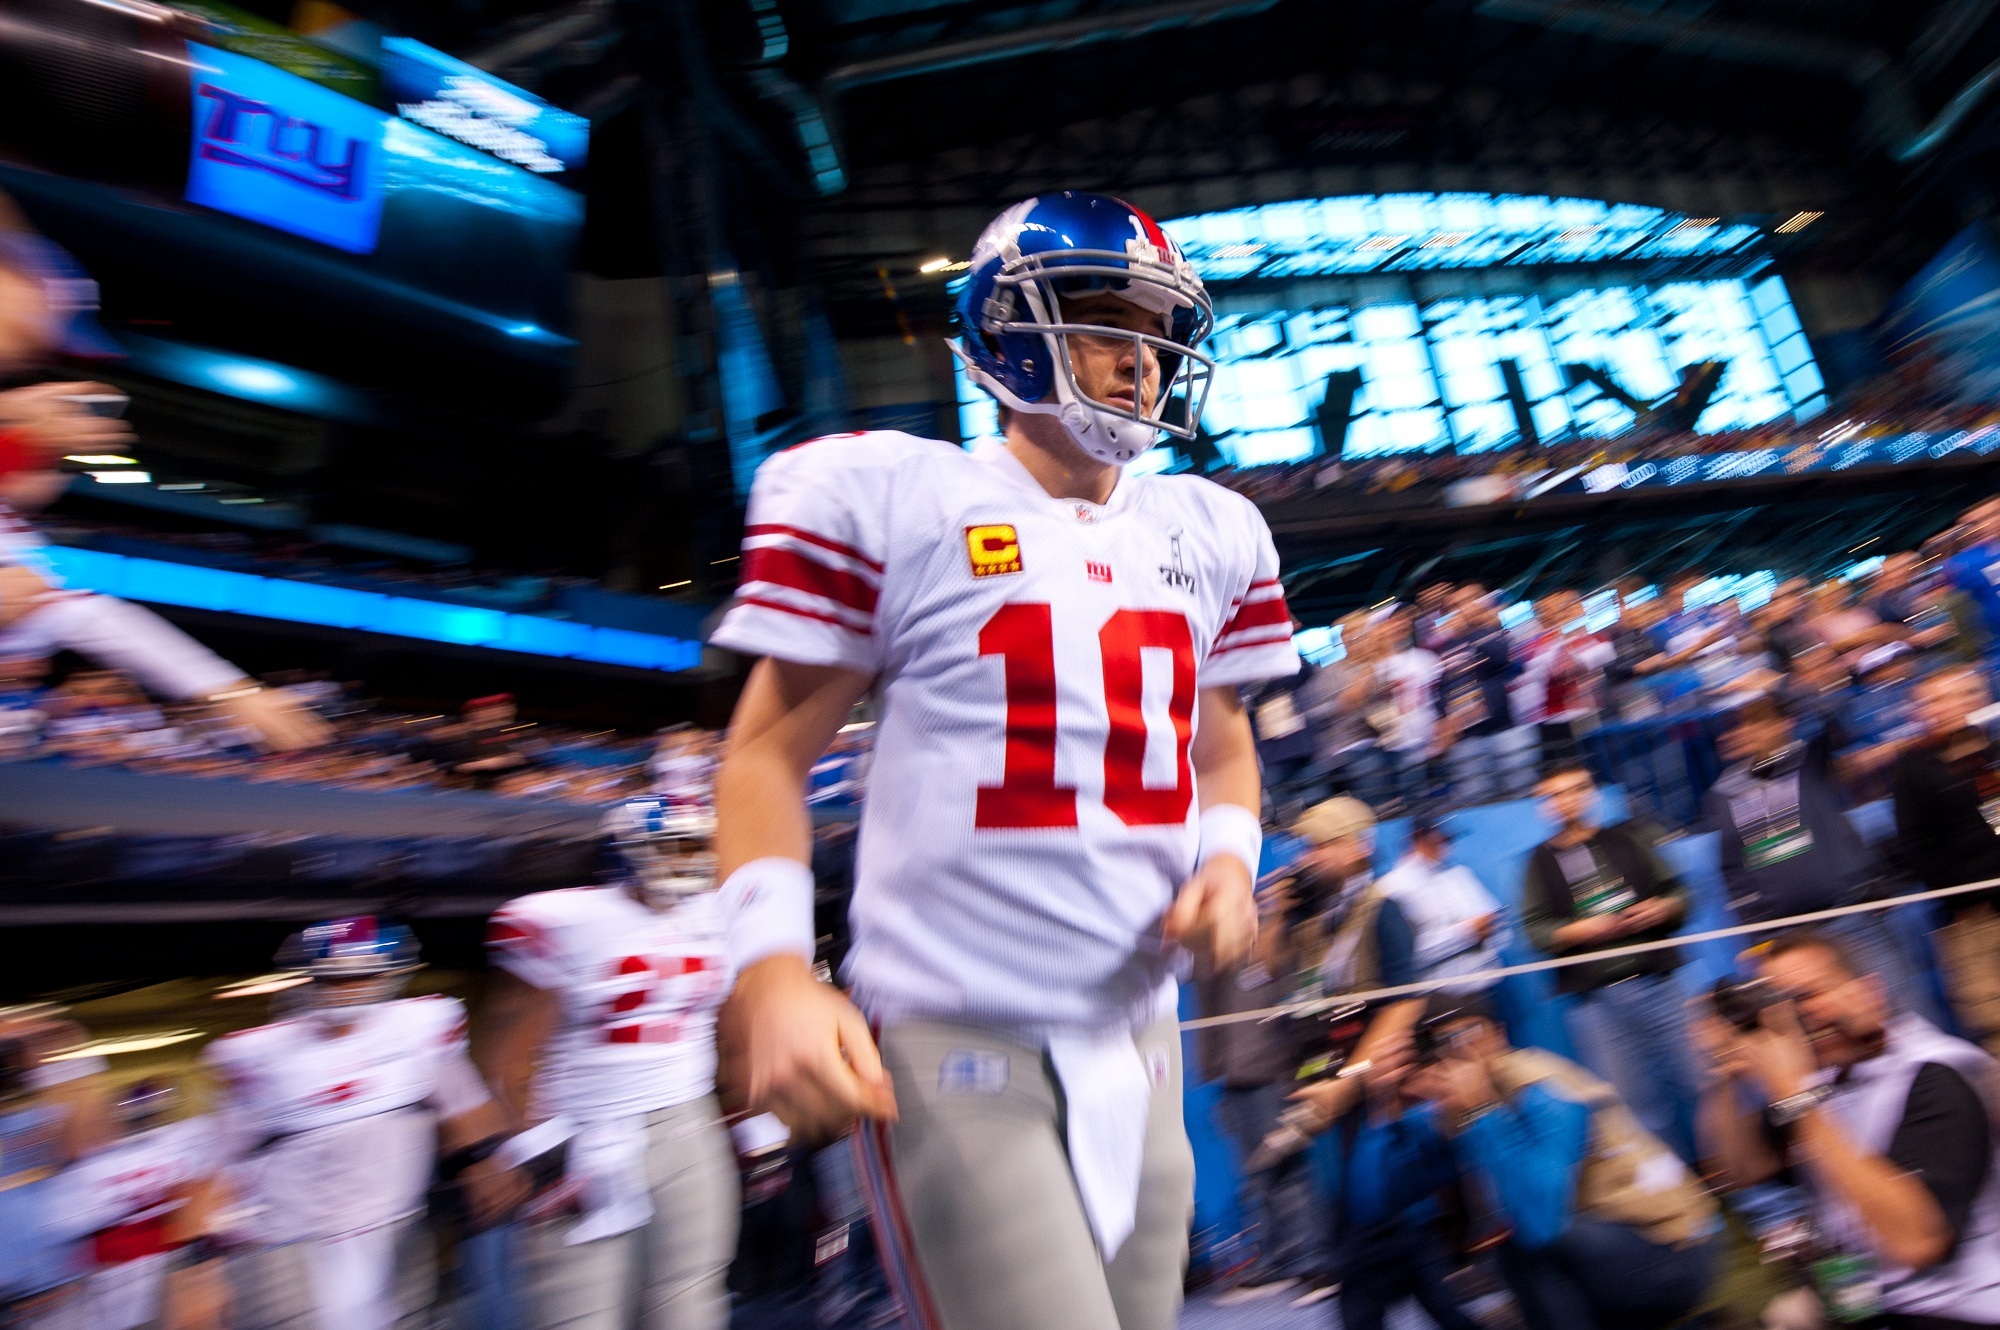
1023,636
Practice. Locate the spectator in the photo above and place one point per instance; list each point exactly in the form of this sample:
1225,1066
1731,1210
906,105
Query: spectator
1590,888
1457,924
1360,935
1891,1120
1490,755
1412,675
1786,844
1352,709
1254,1063
1368,944
1605,1226
1971,572
1947,799
1570,661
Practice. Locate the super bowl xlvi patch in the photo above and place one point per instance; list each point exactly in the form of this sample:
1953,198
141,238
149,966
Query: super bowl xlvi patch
972,1071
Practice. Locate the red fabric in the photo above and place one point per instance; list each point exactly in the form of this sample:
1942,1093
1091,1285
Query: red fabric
788,568
16,454
128,1242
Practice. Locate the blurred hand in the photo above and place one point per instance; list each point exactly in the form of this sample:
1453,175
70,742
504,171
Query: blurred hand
1640,916
56,426
1328,1099
281,723
1717,1043
1389,1070
493,1191
1215,914
796,1047
1779,1057
1484,925
1462,1086
195,1298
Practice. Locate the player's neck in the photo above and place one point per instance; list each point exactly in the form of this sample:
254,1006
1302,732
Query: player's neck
1041,445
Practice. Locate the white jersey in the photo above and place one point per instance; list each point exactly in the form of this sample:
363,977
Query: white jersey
1031,808
337,1135
134,1184
638,990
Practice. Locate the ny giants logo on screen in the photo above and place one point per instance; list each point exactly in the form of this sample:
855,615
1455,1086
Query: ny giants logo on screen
274,148
243,131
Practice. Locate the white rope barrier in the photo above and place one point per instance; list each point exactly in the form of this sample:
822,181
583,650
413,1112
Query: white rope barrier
1313,1006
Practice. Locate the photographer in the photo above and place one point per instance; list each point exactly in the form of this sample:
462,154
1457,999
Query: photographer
1887,1122
1608,1227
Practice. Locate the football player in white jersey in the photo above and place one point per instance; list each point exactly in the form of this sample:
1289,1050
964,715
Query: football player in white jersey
1063,805
600,1015
331,1124
142,1187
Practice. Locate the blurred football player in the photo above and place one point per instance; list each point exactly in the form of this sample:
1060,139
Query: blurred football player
152,1191
1063,805
38,425
331,1124
600,1014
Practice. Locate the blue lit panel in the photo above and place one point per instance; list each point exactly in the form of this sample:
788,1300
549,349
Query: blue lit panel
1430,364
191,587
274,148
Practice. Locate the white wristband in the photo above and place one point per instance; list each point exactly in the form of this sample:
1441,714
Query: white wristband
1231,829
769,905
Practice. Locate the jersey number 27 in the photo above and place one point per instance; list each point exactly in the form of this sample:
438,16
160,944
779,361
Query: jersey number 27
1023,636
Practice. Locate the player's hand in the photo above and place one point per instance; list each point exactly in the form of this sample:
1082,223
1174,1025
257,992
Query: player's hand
1215,914
278,721
493,1191
56,426
195,1298
796,1047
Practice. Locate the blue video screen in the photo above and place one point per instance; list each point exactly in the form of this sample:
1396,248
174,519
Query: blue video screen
462,102
274,148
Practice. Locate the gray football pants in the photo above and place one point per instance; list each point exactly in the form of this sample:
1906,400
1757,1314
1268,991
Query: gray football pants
669,1275
977,1214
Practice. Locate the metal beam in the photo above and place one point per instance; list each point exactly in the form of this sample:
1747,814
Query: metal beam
1117,25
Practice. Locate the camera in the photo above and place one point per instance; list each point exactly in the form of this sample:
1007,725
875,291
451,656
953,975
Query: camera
1741,1002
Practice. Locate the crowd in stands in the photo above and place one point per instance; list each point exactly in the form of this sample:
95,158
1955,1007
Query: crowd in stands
100,718
1879,410
1455,697
1829,1101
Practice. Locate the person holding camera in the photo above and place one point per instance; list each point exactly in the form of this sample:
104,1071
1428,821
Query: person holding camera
1593,888
1885,1120
1605,1226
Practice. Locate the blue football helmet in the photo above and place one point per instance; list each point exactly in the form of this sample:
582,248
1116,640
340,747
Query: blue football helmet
663,845
342,953
1014,341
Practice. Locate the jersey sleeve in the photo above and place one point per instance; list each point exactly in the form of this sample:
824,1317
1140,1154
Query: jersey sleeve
456,1085
525,938
813,551
1255,643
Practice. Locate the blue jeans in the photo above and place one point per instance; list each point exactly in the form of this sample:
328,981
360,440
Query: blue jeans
1598,1274
1279,1204
1634,1035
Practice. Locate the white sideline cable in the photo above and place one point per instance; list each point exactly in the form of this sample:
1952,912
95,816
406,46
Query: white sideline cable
1425,986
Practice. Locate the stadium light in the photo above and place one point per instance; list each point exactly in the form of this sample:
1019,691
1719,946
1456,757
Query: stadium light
100,459
121,477
1797,222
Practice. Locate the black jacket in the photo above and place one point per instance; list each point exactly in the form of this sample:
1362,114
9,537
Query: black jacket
1547,903
1837,869
1942,837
